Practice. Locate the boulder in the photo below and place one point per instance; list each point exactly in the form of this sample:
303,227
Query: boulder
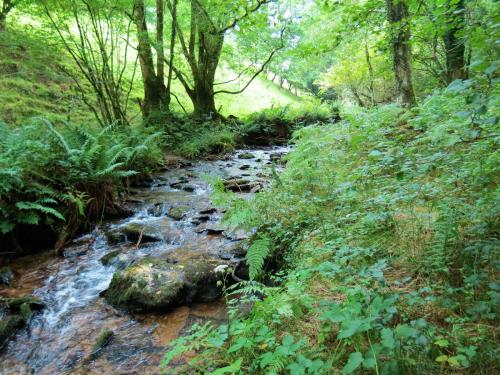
155,284
178,212
234,250
16,313
133,231
239,184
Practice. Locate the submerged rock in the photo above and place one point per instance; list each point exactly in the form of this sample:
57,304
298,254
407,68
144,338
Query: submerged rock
116,259
154,284
104,338
9,326
16,313
6,276
246,155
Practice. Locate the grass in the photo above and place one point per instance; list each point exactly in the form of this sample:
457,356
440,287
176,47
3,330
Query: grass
32,83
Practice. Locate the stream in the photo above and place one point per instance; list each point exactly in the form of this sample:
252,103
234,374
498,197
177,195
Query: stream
60,338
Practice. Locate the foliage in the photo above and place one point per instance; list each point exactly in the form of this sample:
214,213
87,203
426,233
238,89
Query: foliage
388,226
191,139
49,173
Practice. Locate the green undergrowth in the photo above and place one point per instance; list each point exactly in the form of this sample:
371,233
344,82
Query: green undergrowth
276,124
192,139
377,249
189,138
69,175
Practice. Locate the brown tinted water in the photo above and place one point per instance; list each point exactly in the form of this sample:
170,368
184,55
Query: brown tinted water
59,339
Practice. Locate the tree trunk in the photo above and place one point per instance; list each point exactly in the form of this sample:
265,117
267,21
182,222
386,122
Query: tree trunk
3,22
209,50
397,14
7,6
370,71
454,44
155,93
203,100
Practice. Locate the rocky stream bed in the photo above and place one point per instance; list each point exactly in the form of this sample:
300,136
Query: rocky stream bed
122,293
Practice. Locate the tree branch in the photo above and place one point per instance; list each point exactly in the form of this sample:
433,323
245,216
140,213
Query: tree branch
260,70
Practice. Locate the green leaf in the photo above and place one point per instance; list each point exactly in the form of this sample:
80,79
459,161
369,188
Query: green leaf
405,331
387,338
355,360
442,358
349,328
369,363
231,369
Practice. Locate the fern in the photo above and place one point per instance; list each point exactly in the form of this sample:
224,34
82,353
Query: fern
257,254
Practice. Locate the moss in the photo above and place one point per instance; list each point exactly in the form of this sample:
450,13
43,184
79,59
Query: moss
8,326
26,312
14,304
104,338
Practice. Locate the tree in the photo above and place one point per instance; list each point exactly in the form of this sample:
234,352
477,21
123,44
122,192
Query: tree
202,48
7,6
156,97
98,51
397,14
453,41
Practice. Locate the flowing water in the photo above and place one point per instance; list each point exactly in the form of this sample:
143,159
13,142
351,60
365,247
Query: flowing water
59,339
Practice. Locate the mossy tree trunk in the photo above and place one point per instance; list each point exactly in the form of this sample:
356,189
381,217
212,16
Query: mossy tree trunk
397,14
156,97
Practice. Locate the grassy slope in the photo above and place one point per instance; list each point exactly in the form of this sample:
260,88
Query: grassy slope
33,83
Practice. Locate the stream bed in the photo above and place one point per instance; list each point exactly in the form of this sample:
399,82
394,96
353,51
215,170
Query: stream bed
60,338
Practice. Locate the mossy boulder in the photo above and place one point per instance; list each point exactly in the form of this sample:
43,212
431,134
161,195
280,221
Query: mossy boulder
246,155
14,304
148,232
178,212
15,314
155,284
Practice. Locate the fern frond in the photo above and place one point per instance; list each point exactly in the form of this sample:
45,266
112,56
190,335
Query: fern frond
257,254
